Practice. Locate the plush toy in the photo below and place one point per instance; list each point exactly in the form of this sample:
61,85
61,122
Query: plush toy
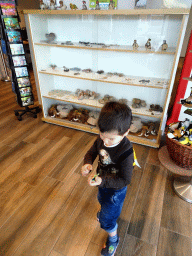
93,118
136,125
53,111
78,115
64,110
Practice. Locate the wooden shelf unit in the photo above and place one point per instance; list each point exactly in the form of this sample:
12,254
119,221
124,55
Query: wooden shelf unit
119,56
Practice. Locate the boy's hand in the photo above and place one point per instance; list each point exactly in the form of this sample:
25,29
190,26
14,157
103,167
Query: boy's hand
94,182
86,168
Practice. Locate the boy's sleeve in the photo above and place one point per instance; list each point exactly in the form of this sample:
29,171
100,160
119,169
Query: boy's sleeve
124,176
91,154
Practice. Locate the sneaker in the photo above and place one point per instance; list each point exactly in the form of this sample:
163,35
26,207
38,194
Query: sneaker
110,248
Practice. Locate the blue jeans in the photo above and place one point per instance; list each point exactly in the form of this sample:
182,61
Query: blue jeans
111,202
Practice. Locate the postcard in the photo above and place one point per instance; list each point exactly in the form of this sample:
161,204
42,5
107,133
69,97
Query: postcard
8,9
17,49
11,23
23,82
25,91
27,101
14,36
20,72
19,61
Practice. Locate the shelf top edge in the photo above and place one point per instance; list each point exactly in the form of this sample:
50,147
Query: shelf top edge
181,11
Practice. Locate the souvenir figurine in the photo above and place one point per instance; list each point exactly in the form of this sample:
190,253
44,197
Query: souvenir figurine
148,44
53,66
97,6
62,6
135,45
164,46
52,5
73,7
84,7
188,101
111,5
42,5
50,38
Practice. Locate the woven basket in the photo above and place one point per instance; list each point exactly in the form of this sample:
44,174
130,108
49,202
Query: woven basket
179,153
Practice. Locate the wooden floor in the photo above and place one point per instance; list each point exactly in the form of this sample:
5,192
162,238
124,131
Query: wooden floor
47,207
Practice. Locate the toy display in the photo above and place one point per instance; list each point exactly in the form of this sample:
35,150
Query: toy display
188,101
50,38
78,115
64,110
84,7
154,107
53,66
181,131
62,6
97,6
111,5
73,7
164,46
136,125
93,118
148,44
137,103
135,45
43,6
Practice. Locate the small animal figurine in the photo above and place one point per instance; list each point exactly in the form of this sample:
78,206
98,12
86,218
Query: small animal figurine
188,101
97,6
62,6
135,45
144,131
50,37
164,46
53,66
52,5
73,7
42,5
148,44
84,7
111,5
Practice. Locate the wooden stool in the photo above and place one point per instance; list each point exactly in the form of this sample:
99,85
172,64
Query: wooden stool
182,189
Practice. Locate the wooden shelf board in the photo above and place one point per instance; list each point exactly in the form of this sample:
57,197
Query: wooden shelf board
92,129
70,75
139,111
122,48
175,11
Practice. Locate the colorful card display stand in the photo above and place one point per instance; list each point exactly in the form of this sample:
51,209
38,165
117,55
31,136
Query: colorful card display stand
11,33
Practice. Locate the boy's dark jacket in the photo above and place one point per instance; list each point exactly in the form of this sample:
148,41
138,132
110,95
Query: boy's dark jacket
115,164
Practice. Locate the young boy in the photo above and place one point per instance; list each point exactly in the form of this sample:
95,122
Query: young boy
114,169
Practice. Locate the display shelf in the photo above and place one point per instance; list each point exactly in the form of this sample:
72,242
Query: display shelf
102,41
126,80
143,111
117,48
149,141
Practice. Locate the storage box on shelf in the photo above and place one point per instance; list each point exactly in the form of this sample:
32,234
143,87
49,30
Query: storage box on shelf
102,42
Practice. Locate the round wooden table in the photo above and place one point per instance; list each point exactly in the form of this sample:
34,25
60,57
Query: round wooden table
182,188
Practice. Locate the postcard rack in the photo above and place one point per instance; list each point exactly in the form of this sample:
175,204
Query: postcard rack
11,33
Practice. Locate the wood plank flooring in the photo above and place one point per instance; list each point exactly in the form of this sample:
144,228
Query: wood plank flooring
48,209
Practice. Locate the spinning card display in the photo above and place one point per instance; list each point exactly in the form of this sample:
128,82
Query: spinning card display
14,36
11,23
21,72
23,82
17,49
8,9
25,91
27,101
19,60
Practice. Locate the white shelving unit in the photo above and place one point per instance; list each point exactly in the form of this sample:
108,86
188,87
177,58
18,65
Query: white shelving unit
147,74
